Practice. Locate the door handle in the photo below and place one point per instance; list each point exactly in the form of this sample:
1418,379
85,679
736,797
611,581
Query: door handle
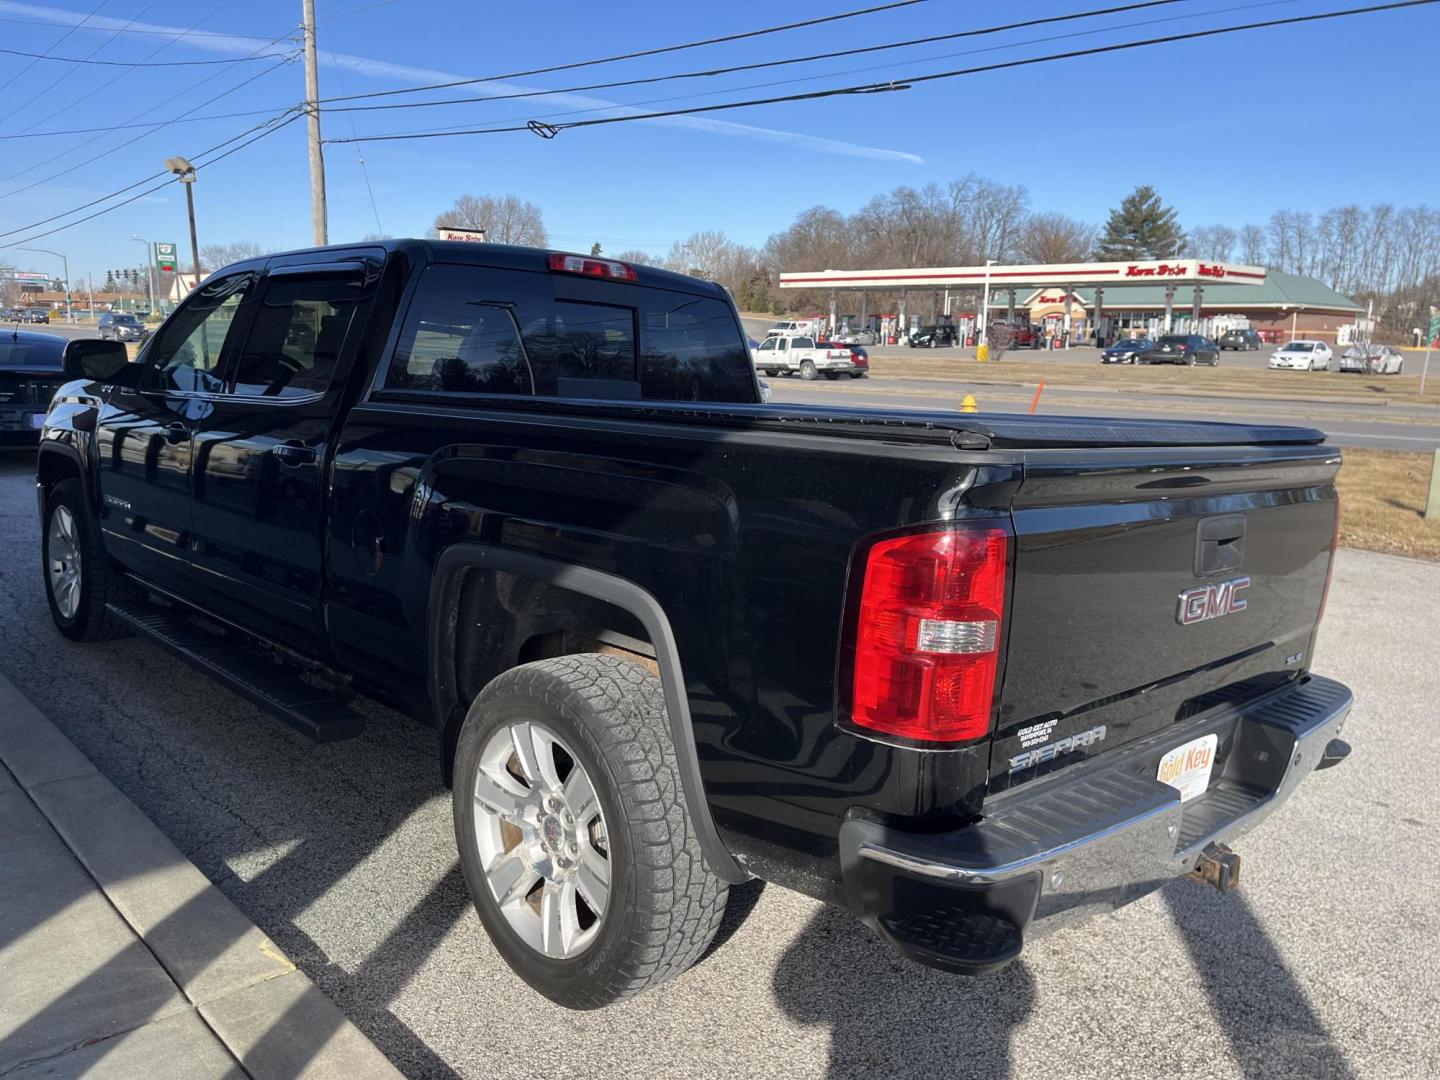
176,433
293,453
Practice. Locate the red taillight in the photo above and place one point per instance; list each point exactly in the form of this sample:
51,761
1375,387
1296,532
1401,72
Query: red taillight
927,637
601,268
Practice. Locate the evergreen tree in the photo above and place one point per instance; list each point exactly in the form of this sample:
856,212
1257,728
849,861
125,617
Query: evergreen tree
595,248
1142,228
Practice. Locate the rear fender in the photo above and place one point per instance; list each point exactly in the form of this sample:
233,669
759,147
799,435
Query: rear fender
503,636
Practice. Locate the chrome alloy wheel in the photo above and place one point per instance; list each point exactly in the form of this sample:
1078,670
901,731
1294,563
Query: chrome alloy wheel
62,562
541,839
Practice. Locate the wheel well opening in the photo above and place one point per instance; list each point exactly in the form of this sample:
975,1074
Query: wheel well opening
52,468
501,620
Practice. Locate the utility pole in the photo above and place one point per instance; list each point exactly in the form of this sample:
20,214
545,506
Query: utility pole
319,215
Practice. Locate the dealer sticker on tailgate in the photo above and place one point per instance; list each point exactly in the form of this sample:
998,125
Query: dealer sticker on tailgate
1187,768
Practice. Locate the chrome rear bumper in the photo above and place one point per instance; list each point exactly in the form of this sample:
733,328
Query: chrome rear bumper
1085,842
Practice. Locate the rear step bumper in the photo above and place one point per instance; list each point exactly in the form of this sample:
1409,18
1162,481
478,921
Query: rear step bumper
1080,845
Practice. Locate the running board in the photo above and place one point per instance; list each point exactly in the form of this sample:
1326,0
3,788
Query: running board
322,715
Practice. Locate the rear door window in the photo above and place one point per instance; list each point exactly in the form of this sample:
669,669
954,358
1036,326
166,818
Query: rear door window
486,331
294,341
692,350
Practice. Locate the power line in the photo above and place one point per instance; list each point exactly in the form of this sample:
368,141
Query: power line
41,93
128,142
1069,36
633,55
274,124
126,63
140,195
60,41
151,30
129,126
551,130
359,157
760,65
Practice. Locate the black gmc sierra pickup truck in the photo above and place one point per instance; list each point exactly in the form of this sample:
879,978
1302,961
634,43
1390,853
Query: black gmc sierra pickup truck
970,676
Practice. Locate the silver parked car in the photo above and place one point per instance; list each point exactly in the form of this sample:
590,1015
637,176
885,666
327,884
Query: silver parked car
1372,360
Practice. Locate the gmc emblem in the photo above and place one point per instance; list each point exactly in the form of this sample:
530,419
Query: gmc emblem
1211,601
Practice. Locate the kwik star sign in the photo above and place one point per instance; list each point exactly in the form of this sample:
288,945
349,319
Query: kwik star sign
1170,271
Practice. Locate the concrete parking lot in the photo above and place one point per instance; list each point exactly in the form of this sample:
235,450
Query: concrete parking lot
1323,964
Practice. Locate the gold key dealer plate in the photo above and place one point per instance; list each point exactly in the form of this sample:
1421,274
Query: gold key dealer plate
1187,767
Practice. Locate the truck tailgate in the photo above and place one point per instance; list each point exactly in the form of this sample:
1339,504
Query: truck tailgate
1151,585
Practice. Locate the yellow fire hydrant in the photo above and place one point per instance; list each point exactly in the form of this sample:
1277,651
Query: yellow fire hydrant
968,403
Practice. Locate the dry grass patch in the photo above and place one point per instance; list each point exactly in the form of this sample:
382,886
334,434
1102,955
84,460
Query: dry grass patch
1382,495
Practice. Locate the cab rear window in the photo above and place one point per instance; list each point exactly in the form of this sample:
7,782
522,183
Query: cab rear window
474,330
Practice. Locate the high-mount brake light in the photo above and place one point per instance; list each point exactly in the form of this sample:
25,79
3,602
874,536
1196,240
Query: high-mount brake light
927,635
588,267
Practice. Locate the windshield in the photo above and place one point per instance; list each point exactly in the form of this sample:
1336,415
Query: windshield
127,320
1299,346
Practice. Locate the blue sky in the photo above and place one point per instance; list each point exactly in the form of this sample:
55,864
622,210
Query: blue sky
1227,129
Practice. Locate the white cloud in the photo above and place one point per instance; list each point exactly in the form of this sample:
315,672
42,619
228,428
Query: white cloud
381,70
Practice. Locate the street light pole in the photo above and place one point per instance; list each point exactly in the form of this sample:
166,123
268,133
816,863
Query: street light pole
149,270
65,263
182,168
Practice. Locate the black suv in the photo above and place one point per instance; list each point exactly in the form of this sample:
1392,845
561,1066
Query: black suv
669,638
121,326
1239,340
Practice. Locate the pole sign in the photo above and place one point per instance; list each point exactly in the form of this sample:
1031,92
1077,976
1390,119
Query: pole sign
473,236
1433,338
165,258
28,277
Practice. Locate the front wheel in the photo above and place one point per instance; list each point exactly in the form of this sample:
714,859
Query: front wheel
78,579
574,834
808,371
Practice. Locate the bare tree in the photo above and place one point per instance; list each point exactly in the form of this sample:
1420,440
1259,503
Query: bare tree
506,219
1055,238
699,254
1252,244
214,256
1212,242
639,258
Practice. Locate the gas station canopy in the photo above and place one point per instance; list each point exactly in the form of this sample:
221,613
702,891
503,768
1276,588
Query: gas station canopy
1199,272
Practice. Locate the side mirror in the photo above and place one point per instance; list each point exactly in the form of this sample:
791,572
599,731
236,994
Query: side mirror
98,361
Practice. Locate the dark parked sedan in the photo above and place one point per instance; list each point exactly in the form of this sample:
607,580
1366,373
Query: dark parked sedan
933,337
30,372
1239,340
1127,351
1183,349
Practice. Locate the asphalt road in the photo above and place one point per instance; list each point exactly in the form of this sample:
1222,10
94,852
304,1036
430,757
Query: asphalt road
1322,966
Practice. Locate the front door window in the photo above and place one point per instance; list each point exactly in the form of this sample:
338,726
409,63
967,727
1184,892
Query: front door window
186,355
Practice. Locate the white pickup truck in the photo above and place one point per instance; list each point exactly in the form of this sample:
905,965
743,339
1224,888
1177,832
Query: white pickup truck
781,354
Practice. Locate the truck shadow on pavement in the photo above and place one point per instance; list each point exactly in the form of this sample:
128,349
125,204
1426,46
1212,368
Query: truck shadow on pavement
891,1017
1263,1011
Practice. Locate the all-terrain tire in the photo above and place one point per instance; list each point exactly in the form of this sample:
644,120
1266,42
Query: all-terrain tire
98,585
665,904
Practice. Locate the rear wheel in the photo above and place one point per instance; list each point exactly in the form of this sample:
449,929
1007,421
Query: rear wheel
808,371
574,834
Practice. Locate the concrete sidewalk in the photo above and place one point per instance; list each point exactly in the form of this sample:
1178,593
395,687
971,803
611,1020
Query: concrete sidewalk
118,958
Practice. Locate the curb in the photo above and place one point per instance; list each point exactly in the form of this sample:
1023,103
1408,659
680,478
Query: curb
266,1012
